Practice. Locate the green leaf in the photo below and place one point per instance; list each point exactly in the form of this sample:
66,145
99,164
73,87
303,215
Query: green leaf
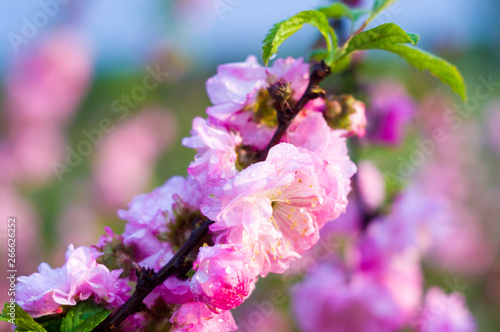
283,30
385,34
83,317
51,323
438,67
15,314
336,10
318,54
379,6
341,65
339,10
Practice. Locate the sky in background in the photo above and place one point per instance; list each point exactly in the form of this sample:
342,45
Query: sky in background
122,33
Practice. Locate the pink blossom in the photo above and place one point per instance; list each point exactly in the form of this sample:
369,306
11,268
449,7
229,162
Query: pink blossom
390,109
278,206
197,317
216,152
240,98
310,130
44,293
87,277
328,301
154,210
443,312
224,275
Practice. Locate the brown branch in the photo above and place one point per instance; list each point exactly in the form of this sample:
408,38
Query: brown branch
285,113
148,280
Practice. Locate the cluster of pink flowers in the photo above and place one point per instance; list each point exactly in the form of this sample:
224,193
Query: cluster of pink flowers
266,214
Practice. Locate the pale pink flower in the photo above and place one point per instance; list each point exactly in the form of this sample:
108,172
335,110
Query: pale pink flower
197,317
89,278
328,301
224,275
154,210
278,206
44,293
240,98
216,152
443,312
310,130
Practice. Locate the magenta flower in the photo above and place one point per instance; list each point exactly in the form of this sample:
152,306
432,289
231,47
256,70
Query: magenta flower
197,317
224,276
391,108
81,277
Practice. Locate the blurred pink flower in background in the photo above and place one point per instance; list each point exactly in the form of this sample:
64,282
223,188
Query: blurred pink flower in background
78,224
390,109
33,149
49,83
255,318
371,185
42,91
125,159
330,300
464,247
443,312
493,124
12,204
451,173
